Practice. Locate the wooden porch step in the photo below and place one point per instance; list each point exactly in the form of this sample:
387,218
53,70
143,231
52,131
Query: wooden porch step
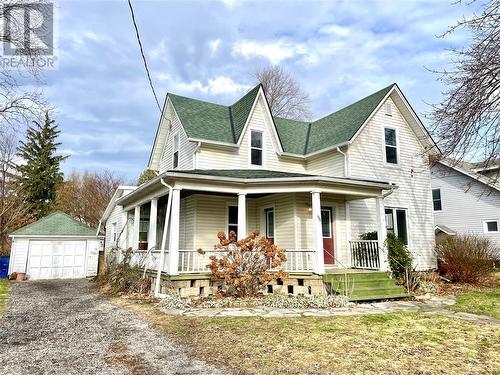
362,285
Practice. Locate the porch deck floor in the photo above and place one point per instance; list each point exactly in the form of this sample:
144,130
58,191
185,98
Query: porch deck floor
338,270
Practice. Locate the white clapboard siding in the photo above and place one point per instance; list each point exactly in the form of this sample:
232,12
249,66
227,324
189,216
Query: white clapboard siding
330,163
220,157
114,217
465,202
412,175
19,255
186,148
93,247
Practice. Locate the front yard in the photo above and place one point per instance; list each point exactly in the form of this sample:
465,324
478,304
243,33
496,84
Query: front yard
4,290
397,343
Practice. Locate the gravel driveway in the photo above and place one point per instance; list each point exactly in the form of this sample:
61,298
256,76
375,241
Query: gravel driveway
67,327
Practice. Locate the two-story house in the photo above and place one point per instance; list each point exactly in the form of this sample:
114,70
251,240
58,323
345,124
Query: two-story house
312,187
465,201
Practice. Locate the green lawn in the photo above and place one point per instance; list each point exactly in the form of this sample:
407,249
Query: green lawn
4,291
479,301
399,343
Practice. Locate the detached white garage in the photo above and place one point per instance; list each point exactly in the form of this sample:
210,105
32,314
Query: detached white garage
55,247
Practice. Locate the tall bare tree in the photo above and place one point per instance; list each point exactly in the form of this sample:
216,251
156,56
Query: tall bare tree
86,195
286,98
20,102
467,121
13,212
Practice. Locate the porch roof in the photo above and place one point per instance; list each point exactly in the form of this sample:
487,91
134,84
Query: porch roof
251,181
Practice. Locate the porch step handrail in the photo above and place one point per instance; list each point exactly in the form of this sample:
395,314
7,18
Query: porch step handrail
365,254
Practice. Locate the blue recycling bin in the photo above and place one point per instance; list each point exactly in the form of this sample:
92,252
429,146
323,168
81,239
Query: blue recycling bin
4,267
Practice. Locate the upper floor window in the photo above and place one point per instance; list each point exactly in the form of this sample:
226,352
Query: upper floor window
436,199
490,226
256,147
175,162
391,149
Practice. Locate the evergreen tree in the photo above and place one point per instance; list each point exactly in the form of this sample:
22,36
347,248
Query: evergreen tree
39,173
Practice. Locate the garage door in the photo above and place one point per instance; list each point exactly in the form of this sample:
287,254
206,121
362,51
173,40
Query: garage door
56,259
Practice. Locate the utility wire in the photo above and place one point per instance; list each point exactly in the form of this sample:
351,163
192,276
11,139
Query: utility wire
143,56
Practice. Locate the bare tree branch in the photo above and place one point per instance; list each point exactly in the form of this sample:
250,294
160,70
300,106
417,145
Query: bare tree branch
467,121
285,97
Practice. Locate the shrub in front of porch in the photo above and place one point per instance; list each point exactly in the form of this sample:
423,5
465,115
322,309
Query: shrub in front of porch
246,266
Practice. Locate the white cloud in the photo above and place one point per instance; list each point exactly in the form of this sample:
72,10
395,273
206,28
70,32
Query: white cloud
215,86
335,29
214,45
275,51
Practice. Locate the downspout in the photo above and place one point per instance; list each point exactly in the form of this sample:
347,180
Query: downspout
345,161
163,239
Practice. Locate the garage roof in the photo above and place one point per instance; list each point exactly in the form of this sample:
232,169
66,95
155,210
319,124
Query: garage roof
56,224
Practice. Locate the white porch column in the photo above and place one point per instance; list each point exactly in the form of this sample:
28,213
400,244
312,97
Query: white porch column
173,251
382,234
348,232
242,216
319,267
153,217
135,235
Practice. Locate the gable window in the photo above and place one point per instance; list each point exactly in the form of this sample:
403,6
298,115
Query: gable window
388,109
436,199
232,219
391,150
395,220
490,226
256,147
270,223
175,162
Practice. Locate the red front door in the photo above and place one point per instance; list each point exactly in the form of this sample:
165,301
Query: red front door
327,229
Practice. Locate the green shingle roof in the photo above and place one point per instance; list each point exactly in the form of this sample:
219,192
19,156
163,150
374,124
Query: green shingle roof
214,122
56,224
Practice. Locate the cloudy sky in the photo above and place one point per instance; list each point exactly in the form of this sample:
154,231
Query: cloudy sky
339,51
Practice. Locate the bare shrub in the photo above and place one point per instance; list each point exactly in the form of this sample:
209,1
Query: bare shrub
248,265
122,277
466,258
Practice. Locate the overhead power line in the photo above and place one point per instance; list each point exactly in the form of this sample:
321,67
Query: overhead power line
143,55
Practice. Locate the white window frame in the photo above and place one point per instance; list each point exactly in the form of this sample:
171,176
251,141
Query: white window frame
261,149
175,136
396,130
330,213
485,226
440,199
395,222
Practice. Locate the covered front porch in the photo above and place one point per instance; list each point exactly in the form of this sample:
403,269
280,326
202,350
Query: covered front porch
171,217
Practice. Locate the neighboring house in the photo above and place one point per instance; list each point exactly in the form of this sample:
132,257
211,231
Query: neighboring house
55,247
312,187
465,202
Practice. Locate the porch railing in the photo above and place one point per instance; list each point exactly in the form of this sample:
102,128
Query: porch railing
365,254
191,261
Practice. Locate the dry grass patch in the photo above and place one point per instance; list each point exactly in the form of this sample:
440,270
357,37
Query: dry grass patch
403,343
4,294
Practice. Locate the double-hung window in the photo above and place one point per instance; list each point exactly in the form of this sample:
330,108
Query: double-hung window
113,232
256,147
395,220
175,162
436,199
232,219
391,149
